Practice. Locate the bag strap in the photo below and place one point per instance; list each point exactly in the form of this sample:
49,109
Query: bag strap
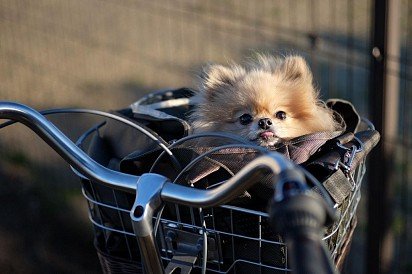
335,168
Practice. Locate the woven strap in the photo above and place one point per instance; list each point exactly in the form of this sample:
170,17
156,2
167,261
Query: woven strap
335,178
337,185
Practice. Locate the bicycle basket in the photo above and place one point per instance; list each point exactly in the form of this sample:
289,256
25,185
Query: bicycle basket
238,236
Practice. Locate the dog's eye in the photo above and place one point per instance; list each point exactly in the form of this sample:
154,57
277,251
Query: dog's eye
245,119
281,115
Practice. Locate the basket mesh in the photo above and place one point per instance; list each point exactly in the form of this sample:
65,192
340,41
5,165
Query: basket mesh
239,237
244,240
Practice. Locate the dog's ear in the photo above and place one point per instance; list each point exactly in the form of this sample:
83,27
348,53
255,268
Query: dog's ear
217,78
295,69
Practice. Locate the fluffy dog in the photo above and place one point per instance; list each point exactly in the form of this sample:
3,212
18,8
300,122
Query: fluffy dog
266,101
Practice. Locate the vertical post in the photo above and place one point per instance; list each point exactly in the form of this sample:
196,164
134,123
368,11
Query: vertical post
392,69
376,185
384,89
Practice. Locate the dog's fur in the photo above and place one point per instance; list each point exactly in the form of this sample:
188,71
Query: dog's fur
262,89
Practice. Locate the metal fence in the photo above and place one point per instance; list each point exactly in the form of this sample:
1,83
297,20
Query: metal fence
105,54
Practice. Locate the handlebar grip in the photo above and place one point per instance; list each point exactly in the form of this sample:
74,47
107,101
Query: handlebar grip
300,215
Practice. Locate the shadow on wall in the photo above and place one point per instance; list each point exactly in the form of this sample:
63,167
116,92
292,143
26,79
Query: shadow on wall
44,226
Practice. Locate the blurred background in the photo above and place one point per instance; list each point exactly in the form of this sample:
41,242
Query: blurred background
105,54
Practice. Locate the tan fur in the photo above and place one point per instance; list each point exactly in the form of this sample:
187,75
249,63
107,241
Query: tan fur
261,89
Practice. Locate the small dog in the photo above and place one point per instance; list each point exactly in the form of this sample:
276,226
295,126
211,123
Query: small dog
267,101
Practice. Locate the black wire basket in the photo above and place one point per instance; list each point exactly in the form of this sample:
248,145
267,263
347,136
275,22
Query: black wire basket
237,235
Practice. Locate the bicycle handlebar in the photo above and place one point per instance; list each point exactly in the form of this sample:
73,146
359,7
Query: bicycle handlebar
77,158
87,167
232,188
147,201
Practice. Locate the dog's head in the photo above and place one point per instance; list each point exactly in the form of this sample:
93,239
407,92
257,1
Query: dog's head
269,100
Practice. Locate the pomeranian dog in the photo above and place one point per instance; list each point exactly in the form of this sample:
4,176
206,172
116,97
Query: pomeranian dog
266,101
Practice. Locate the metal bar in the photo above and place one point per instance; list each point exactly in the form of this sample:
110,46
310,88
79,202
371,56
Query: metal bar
247,176
350,86
147,203
379,238
406,176
377,186
392,69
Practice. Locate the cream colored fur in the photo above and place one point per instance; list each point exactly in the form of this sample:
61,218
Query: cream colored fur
262,88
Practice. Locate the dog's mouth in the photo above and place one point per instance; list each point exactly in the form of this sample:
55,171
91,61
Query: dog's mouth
266,138
266,135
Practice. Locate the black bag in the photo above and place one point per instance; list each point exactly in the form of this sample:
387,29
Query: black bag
164,114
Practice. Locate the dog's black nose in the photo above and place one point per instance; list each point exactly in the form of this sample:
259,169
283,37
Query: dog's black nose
265,123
